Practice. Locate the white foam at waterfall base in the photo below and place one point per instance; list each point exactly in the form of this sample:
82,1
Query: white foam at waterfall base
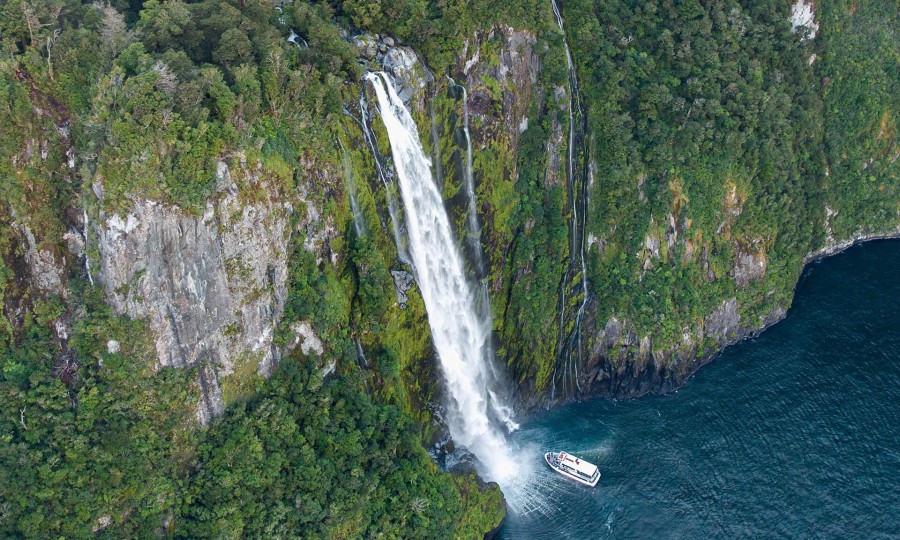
461,336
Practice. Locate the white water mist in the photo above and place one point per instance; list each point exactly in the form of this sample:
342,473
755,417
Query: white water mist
461,334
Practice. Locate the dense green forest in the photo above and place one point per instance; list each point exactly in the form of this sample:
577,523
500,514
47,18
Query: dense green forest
722,138
712,136
712,105
96,440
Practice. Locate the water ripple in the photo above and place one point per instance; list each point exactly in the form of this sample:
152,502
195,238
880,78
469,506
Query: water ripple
791,435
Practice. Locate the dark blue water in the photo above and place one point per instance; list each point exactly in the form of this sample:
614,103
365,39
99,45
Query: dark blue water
795,434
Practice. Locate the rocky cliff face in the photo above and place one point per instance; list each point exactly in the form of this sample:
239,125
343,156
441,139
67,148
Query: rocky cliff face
212,286
213,283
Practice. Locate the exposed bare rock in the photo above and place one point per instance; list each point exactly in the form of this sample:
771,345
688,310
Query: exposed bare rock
705,266
47,271
367,46
555,147
723,324
749,263
651,244
403,282
101,523
403,64
621,365
803,15
517,75
212,287
671,232
306,337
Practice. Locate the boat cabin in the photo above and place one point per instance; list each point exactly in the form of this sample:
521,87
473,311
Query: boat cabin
578,466
574,467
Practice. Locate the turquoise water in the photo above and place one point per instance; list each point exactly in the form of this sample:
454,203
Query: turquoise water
795,434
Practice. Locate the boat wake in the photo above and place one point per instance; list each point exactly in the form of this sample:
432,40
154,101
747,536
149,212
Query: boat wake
535,490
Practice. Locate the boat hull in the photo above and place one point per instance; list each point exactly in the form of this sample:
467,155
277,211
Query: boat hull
548,457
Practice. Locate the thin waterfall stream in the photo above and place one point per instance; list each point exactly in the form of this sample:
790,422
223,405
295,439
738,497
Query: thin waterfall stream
396,225
476,417
566,347
473,232
87,256
359,222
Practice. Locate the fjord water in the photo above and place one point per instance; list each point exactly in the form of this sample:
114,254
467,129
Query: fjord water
794,434
461,332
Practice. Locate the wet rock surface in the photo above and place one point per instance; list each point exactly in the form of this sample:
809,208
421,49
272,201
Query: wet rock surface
403,282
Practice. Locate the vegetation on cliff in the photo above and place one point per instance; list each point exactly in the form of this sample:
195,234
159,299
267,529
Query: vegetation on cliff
104,105
728,145
723,152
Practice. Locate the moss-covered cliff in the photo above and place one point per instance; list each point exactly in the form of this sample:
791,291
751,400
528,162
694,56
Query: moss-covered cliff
196,193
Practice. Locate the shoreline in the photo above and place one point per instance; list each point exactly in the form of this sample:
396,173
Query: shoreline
640,378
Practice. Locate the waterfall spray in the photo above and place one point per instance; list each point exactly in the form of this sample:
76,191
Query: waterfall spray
460,333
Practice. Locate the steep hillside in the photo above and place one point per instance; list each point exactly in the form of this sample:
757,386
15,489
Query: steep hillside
203,266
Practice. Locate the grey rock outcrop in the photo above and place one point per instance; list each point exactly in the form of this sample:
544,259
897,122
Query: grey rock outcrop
403,282
47,272
367,46
212,287
403,64
749,264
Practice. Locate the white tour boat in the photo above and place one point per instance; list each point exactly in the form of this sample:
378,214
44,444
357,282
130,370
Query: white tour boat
575,468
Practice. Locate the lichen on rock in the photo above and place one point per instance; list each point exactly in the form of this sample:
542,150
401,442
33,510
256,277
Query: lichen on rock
212,287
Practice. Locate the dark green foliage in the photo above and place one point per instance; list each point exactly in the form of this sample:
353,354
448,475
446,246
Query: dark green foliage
859,73
439,29
112,438
537,260
375,288
85,433
704,119
692,103
325,460
145,98
316,295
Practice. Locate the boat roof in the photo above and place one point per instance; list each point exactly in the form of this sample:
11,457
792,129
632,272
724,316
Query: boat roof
578,464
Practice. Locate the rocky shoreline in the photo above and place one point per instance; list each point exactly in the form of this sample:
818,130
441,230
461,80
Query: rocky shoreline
634,370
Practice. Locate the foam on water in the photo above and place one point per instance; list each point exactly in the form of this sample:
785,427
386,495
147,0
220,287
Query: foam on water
789,435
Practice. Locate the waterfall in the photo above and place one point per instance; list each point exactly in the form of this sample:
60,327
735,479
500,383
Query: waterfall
396,227
474,229
360,354
461,335
574,106
436,148
473,232
359,222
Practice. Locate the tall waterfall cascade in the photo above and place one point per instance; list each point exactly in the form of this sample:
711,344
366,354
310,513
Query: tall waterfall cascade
476,416
578,238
